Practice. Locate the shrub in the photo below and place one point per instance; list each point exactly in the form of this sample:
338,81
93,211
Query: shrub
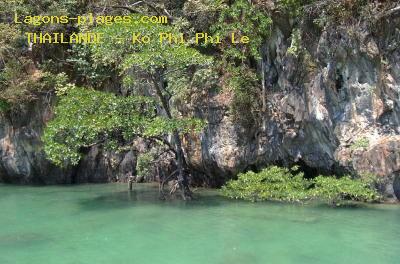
334,190
4,105
281,184
273,183
360,143
243,83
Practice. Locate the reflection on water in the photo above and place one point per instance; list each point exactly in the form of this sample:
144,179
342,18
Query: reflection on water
109,224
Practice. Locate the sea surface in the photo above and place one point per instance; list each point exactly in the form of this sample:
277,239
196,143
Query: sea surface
106,223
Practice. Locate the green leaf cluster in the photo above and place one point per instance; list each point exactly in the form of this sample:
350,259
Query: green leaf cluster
4,105
360,143
148,57
85,69
334,191
293,7
144,164
243,19
85,117
295,46
22,73
243,82
281,184
273,183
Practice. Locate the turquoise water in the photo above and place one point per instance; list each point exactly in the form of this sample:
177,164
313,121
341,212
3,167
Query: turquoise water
107,224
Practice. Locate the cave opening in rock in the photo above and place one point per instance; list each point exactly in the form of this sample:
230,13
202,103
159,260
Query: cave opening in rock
309,172
339,81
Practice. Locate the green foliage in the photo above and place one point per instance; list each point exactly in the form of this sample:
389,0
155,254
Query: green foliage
144,164
16,84
148,57
293,7
4,106
25,73
243,82
243,19
85,69
335,190
360,143
295,46
273,183
236,61
372,179
167,66
86,117
343,12
281,184
335,12
38,7
8,41
198,6
20,79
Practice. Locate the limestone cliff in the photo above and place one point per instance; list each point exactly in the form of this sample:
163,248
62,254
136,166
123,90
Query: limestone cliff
332,106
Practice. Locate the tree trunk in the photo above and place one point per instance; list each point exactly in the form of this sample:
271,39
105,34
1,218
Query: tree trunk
181,163
180,157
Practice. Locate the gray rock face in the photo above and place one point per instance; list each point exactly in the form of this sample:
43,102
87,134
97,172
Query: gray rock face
396,186
22,159
105,166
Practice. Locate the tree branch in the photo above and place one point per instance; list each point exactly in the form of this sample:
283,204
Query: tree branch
133,11
392,12
150,5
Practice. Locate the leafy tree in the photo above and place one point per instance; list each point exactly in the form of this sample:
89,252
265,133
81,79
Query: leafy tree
85,70
104,117
86,117
155,63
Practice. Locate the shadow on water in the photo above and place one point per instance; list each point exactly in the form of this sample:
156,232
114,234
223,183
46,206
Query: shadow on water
147,196
119,200
350,206
118,197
